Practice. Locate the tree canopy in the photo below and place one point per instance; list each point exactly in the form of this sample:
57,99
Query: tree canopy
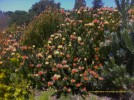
79,3
97,4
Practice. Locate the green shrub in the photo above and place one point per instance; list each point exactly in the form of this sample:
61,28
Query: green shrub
42,27
75,55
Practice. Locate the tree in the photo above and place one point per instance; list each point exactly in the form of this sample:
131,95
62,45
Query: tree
79,3
97,4
18,17
126,34
40,6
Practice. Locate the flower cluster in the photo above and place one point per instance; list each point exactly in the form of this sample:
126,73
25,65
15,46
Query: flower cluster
74,56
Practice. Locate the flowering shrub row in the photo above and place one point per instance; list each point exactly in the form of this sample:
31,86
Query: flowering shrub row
75,58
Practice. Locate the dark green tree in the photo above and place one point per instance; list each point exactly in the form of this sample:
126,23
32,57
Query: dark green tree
79,3
40,6
97,4
126,36
18,17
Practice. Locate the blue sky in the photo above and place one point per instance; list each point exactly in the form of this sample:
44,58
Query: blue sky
12,5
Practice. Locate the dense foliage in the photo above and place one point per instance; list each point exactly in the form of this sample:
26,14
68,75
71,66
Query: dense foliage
73,52
42,27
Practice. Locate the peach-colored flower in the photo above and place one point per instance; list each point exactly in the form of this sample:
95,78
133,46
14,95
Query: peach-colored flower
81,68
86,78
65,66
24,57
68,56
56,77
74,70
1,62
54,69
59,66
84,89
75,59
31,65
100,64
40,73
39,65
73,80
78,85
50,83
23,47
64,62
74,64
39,55
96,21
101,78
69,90
73,37
96,67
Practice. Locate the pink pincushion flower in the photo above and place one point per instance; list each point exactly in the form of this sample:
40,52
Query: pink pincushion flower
40,73
24,57
95,21
73,37
64,62
50,83
39,65
74,70
59,66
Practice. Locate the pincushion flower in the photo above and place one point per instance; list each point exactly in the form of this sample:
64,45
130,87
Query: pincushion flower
89,24
73,80
1,62
96,67
106,22
74,70
46,63
40,73
56,77
31,65
63,39
86,78
56,52
23,47
39,65
78,12
39,55
49,56
59,66
24,57
50,83
52,36
60,47
78,85
101,78
96,21
69,90
49,42
73,37
79,39
65,66
64,62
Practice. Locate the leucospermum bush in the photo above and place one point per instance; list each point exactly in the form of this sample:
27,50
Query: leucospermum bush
75,55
